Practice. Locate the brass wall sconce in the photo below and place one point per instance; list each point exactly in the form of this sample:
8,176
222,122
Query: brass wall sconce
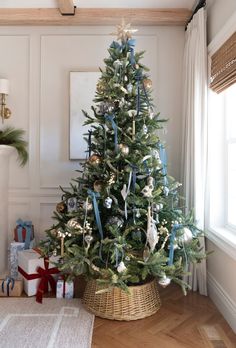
5,113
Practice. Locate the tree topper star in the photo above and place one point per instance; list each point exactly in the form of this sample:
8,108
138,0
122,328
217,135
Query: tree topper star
124,31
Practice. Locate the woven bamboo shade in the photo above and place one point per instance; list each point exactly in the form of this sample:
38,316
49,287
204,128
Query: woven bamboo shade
223,66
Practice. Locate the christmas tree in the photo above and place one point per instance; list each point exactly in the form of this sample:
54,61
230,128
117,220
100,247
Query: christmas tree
120,222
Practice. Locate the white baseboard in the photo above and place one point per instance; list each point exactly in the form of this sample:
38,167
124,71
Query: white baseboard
222,300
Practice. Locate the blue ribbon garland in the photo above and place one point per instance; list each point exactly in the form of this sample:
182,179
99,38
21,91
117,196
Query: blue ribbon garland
94,196
163,158
9,281
27,225
110,118
131,44
172,239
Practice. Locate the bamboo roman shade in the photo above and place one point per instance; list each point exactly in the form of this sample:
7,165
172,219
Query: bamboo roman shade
223,66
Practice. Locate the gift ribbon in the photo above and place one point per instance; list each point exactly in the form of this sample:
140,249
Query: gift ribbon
9,281
27,225
110,118
172,239
45,276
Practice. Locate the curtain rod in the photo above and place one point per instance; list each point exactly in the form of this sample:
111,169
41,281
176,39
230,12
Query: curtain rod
201,3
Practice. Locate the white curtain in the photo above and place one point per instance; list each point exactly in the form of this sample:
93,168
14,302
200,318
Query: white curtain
194,159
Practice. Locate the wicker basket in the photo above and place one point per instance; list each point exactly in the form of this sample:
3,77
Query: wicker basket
116,304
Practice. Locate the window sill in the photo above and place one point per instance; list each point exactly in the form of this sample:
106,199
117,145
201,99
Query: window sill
224,239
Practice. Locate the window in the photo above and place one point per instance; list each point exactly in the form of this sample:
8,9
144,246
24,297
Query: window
222,165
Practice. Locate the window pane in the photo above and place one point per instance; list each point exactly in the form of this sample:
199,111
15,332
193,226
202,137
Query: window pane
230,104
232,184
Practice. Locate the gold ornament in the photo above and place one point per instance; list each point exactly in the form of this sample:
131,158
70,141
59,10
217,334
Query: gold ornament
124,149
95,159
100,87
61,207
73,223
98,185
147,83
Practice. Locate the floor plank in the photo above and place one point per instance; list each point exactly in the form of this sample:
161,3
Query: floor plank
190,321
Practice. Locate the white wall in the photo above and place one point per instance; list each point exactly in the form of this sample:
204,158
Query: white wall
218,12
37,62
221,266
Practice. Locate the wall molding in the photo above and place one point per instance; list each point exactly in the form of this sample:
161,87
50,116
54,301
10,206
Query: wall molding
222,300
95,16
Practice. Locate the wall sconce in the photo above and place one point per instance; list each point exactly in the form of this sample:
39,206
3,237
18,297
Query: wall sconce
5,113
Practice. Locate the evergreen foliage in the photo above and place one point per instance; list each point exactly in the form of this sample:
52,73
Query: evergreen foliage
125,178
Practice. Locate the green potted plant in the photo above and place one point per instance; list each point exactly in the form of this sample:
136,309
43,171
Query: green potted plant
11,136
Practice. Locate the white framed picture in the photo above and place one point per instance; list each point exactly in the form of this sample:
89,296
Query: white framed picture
82,93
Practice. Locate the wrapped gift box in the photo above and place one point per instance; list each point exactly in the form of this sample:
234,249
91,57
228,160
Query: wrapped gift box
36,272
65,289
11,287
14,248
24,232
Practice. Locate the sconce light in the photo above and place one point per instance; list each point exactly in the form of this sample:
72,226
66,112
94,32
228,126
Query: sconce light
4,90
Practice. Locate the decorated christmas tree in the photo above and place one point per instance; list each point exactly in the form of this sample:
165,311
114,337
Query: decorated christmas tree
120,223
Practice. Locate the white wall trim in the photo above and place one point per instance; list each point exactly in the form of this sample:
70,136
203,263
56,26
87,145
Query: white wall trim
224,239
228,29
222,300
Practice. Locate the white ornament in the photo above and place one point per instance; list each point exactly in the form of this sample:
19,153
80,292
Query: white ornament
186,237
108,202
152,234
121,267
164,281
147,190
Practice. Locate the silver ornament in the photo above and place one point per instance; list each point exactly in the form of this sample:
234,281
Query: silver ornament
164,281
121,267
115,221
88,239
130,88
152,234
145,129
108,202
156,154
137,213
186,236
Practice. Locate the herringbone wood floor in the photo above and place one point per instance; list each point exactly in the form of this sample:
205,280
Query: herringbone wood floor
182,322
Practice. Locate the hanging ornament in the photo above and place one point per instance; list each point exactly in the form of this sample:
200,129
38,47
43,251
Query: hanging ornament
155,154
147,83
88,239
105,107
121,267
124,149
150,113
147,190
98,185
73,223
137,213
54,253
100,87
132,113
166,191
157,207
61,207
95,159
115,221
152,234
145,129
117,63
108,202
137,235
130,88
164,281
61,235
185,237
72,205
112,179
87,206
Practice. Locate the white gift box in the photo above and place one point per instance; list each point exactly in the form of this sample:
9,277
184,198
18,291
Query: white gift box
13,250
65,289
29,261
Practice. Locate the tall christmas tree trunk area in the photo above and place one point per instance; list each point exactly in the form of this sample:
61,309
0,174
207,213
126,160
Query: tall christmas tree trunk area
120,222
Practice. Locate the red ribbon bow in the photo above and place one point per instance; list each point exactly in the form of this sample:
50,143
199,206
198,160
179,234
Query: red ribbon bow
45,276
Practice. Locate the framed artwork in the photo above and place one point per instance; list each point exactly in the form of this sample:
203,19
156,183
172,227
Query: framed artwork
82,93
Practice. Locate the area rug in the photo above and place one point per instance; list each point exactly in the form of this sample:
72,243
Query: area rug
55,323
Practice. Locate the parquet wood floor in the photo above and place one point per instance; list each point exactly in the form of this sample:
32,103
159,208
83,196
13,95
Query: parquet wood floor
182,322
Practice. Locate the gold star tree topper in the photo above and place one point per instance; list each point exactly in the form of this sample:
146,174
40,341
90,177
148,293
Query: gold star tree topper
124,31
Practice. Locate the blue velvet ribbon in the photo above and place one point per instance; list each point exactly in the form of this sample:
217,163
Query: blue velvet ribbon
110,118
94,196
163,158
146,95
10,282
134,175
27,225
172,239
131,44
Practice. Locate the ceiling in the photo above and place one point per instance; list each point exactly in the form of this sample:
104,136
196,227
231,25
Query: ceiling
102,3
